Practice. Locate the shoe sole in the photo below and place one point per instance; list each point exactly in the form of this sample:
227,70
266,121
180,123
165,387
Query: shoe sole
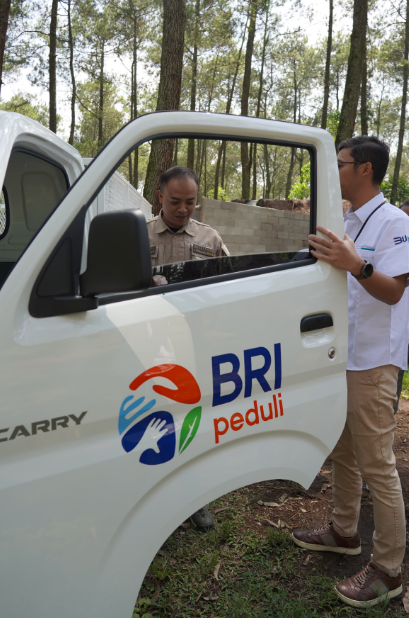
350,551
389,595
202,528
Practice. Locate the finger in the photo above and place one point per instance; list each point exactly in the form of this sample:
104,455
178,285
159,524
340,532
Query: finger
328,233
321,241
320,256
319,247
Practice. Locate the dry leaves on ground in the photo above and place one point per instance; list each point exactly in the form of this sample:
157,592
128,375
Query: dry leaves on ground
405,601
217,569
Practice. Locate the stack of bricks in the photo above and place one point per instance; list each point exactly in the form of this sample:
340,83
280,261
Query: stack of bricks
253,229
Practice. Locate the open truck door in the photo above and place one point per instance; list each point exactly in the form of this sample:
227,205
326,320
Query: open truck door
119,397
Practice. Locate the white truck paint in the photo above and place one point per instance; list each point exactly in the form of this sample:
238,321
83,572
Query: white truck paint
82,518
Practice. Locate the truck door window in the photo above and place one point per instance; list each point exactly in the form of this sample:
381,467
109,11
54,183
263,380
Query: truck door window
4,213
32,189
227,233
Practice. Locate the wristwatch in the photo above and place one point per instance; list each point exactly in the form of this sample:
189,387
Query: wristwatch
366,271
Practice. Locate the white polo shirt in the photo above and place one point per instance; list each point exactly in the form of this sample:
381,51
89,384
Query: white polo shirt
378,333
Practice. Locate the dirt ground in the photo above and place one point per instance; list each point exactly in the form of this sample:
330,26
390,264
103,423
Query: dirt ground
302,509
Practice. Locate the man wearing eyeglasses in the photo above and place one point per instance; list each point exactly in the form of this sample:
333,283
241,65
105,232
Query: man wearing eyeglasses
375,254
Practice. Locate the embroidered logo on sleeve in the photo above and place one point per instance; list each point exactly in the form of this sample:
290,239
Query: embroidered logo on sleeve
400,239
206,251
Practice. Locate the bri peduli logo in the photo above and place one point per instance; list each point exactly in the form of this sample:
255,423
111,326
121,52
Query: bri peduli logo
155,433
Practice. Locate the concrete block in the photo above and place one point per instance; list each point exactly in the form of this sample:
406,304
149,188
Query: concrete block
266,226
247,232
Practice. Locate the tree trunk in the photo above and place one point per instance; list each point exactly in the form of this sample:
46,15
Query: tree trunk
245,159
52,68
101,99
134,96
292,161
354,73
395,180
327,67
73,83
4,22
160,159
191,142
175,156
260,92
222,180
222,148
364,97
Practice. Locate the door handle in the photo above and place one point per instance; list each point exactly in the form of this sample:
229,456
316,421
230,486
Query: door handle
316,322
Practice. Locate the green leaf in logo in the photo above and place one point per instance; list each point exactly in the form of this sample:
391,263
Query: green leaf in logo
189,428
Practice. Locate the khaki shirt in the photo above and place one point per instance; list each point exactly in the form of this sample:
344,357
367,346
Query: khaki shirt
193,241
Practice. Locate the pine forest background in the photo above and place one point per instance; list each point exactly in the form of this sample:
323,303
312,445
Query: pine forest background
102,63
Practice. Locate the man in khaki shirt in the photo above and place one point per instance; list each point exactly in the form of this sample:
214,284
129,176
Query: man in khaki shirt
173,235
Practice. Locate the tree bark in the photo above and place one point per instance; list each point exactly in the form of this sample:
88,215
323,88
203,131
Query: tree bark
101,98
292,160
4,22
73,82
398,161
260,92
327,67
191,142
222,149
52,68
354,73
161,156
134,95
245,159
364,97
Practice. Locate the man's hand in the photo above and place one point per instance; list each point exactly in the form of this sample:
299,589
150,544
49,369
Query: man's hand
342,254
337,252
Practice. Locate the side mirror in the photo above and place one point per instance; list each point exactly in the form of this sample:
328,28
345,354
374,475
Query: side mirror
119,258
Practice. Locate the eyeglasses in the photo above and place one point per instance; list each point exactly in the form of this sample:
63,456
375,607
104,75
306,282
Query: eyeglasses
342,163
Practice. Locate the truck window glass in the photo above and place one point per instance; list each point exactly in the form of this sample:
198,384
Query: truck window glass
246,216
3,213
33,187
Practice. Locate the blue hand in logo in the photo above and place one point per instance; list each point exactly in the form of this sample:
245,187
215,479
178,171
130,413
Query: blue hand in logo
156,432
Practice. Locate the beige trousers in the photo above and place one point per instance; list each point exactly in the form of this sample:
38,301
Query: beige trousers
365,451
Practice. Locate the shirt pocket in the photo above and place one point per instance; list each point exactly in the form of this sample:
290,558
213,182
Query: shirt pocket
367,253
201,252
157,253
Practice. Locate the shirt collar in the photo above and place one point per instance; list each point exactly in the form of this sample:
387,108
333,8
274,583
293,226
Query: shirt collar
162,227
365,210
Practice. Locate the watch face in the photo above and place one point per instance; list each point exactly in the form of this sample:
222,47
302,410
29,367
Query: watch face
367,270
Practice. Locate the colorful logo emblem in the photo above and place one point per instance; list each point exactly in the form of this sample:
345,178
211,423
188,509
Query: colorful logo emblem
155,433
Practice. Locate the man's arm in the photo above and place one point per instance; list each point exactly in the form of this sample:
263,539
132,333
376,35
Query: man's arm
343,255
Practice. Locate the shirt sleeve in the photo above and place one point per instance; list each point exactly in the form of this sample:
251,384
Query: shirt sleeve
392,249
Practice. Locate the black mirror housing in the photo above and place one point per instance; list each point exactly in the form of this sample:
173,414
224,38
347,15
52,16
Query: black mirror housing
119,258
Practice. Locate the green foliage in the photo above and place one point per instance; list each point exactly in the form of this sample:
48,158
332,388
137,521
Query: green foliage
333,122
221,194
403,189
301,188
28,105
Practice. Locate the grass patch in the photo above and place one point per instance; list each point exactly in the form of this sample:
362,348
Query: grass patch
405,386
240,570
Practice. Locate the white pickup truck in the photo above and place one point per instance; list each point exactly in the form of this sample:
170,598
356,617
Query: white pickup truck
122,401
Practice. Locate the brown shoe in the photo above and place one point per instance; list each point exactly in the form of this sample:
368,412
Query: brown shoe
327,539
369,587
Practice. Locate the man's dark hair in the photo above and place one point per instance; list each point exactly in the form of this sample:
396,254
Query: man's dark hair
177,172
404,204
369,149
